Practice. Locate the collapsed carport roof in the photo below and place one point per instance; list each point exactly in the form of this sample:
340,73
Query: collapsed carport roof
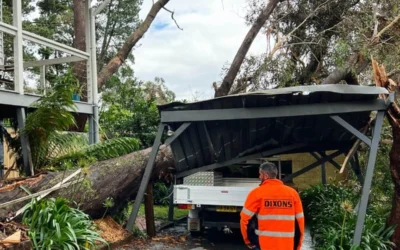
214,132
228,130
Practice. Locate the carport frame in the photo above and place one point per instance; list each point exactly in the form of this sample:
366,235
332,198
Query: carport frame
334,110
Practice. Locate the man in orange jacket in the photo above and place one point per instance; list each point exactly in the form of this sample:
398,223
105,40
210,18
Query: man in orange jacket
278,209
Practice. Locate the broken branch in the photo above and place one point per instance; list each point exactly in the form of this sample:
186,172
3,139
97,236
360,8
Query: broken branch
172,16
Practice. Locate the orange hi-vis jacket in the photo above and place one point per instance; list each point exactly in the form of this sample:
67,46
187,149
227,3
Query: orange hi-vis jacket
278,208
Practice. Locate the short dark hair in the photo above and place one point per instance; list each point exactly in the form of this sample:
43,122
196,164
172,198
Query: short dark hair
270,169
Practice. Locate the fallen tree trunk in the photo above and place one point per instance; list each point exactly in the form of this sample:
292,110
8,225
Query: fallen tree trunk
118,178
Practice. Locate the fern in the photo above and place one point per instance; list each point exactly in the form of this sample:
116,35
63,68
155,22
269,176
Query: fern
52,114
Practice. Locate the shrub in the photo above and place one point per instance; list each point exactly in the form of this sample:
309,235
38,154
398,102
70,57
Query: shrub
329,212
53,224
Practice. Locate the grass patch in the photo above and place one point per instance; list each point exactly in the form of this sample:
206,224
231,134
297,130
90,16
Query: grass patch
161,212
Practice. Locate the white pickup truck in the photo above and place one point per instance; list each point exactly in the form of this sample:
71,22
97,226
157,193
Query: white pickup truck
213,201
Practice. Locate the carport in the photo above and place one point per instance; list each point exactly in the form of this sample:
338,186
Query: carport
229,130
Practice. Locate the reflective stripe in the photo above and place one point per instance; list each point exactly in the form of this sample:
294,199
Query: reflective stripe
275,217
299,215
247,212
275,234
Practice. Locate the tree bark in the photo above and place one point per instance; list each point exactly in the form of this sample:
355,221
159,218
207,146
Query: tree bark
114,64
356,64
118,178
228,80
79,68
393,116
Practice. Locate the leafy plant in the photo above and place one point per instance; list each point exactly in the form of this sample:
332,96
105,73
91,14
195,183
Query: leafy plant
108,203
161,193
52,114
329,212
53,224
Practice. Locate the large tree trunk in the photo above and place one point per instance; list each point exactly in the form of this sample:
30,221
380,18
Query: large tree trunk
114,64
349,73
393,116
118,178
79,68
228,80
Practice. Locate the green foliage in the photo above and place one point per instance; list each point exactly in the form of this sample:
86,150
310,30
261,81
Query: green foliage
329,212
53,224
161,193
52,114
130,108
108,203
86,154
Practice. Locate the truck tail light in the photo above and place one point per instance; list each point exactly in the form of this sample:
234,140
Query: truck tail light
184,206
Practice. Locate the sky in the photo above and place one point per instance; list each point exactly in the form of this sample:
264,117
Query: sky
190,60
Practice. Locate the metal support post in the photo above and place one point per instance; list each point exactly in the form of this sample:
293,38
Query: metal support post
323,173
88,51
91,130
43,78
171,208
146,178
18,48
96,137
1,150
368,178
93,66
26,150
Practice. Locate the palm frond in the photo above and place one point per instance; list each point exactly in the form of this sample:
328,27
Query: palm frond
96,152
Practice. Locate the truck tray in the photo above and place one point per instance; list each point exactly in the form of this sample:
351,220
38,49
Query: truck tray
211,195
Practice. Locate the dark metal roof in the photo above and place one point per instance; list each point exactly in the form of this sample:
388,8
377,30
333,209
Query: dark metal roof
229,127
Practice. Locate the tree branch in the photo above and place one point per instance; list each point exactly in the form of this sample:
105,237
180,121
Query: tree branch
172,16
387,27
228,80
393,72
114,64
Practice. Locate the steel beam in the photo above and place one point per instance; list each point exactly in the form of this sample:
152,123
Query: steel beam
368,178
67,59
145,179
323,155
311,166
351,129
176,134
273,112
26,149
333,162
54,45
14,99
271,152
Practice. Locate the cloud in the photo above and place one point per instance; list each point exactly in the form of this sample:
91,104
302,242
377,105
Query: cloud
192,59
